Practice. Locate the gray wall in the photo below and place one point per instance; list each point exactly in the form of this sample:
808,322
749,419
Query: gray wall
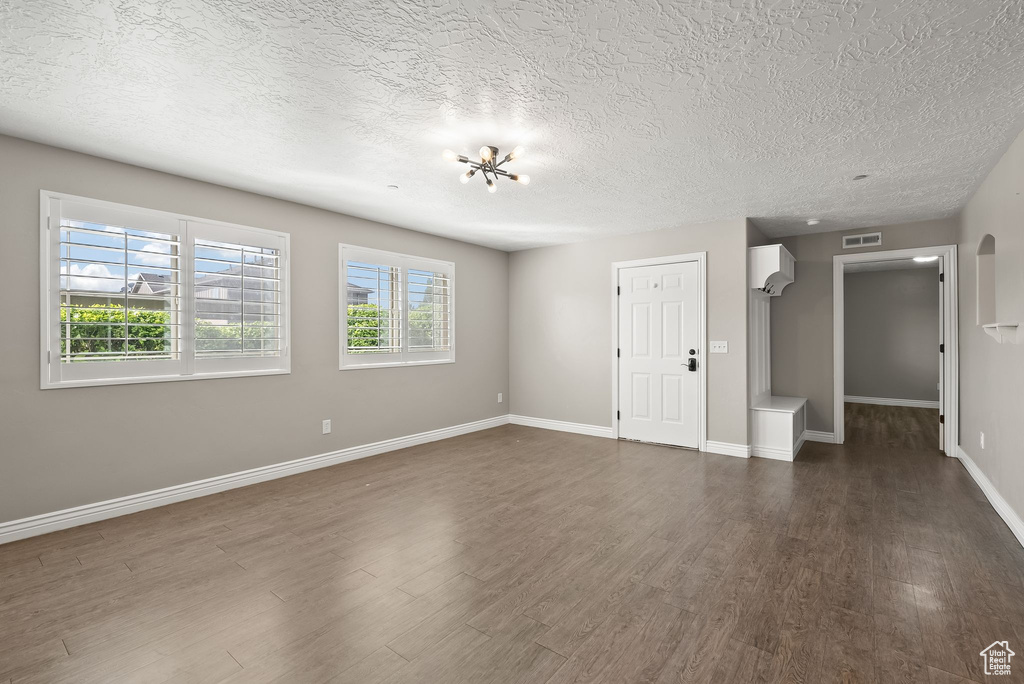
992,374
561,323
801,326
892,334
186,431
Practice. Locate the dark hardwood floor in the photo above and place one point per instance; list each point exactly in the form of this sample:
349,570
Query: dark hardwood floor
895,427
524,555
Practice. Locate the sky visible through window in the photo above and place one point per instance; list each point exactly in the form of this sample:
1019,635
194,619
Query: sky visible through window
94,259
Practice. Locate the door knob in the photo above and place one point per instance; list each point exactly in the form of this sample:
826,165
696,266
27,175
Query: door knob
691,364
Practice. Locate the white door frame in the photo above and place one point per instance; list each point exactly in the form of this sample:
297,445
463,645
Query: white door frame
702,284
951,358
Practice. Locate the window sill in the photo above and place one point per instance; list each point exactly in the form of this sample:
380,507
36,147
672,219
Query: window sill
160,378
396,364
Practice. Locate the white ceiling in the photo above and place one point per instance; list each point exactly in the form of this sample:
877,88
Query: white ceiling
637,114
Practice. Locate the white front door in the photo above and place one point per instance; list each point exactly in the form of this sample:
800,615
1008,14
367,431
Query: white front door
659,313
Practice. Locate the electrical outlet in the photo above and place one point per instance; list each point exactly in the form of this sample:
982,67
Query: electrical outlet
982,439
499,397
719,347
327,426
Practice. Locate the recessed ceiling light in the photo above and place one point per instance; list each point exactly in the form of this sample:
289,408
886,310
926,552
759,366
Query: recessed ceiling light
925,259
861,176
813,222
392,187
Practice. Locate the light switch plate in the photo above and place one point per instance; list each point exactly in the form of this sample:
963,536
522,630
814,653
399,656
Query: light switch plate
719,347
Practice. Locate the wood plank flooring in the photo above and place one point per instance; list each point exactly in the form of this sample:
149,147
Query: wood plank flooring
897,427
525,555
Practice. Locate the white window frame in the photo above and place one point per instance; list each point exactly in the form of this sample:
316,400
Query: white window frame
54,374
404,262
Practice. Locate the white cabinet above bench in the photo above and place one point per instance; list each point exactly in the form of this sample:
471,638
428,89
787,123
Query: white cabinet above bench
772,268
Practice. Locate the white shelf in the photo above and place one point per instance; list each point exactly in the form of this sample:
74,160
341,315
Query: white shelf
1004,332
772,268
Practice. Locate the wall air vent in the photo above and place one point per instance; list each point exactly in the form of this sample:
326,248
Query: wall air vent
863,240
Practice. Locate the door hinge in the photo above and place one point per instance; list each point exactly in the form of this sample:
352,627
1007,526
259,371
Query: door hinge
942,349
942,277
618,352
942,419
618,289
618,415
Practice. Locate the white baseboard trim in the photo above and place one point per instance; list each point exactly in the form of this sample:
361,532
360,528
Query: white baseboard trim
772,453
1004,510
882,401
727,449
81,515
561,426
818,436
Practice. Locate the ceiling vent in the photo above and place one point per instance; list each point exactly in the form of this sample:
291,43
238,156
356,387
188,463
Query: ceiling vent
863,240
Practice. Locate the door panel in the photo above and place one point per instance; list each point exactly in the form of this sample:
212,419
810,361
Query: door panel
641,333
658,326
641,397
672,329
671,399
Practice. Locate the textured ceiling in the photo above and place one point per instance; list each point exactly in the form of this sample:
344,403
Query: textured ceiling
637,114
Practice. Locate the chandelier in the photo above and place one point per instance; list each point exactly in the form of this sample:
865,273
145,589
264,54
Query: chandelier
489,166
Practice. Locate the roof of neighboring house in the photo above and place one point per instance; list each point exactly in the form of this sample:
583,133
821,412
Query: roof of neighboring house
151,283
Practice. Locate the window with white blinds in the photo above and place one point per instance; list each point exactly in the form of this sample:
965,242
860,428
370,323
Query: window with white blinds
374,295
134,295
237,295
119,293
429,295
396,309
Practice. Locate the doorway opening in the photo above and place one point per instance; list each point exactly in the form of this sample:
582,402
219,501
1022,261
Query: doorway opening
895,349
659,374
